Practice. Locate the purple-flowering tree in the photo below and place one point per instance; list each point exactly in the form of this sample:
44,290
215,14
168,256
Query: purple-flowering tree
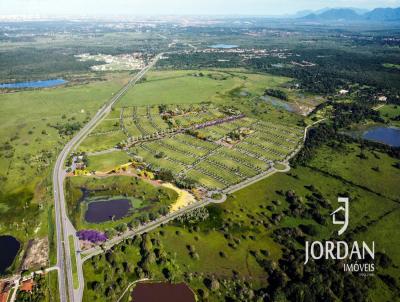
219,121
91,235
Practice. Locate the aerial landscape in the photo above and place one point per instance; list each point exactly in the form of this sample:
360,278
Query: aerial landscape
180,151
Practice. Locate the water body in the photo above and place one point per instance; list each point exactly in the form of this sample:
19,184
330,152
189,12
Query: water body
106,210
8,251
224,46
37,84
277,103
386,135
165,292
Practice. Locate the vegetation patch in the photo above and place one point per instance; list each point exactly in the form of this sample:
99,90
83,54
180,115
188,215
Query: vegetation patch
147,200
75,279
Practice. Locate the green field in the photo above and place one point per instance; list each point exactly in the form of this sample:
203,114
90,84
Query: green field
390,113
75,279
29,144
183,87
377,173
108,161
389,65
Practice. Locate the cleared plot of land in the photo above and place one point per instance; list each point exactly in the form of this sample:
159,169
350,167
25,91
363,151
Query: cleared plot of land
216,166
94,143
107,161
212,145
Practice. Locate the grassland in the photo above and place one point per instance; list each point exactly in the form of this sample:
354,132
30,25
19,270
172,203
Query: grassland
94,143
378,172
108,161
389,113
389,65
52,285
75,279
186,86
29,143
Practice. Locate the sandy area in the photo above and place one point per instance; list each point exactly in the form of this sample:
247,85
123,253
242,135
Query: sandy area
85,245
184,197
36,254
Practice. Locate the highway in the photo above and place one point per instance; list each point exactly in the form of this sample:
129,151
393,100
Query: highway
64,227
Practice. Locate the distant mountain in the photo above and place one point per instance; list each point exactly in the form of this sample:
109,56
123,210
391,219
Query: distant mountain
301,14
359,11
383,14
336,14
351,15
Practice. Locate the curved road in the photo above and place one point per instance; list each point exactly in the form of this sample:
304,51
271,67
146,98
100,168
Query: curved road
64,227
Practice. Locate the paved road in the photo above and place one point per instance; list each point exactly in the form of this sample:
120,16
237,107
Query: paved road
143,229
64,227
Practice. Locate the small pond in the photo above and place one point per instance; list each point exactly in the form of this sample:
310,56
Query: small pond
277,103
8,251
386,135
36,84
165,292
224,46
105,210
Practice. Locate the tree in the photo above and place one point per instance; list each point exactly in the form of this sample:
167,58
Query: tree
276,93
122,227
165,175
211,283
95,285
167,273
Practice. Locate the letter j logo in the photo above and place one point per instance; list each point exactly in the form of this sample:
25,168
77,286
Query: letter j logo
345,210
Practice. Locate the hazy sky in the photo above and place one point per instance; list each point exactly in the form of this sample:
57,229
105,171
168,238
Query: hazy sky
178,7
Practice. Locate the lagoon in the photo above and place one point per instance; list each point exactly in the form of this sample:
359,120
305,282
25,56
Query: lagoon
163,291
8,251
224,46
36,84
385,135
105,210
279,104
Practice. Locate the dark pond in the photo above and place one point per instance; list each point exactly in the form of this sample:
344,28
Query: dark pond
277,103
165,292
37,84
9,247
386,135
105,210
224,46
